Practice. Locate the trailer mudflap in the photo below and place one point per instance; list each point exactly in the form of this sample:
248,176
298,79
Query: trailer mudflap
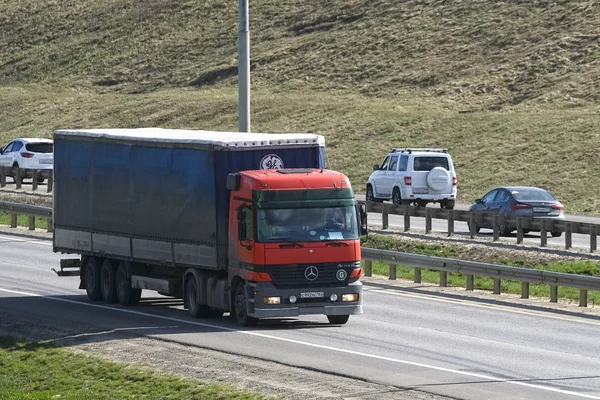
69,267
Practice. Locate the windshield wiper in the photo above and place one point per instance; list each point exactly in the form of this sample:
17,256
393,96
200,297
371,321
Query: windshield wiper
337,244
287,242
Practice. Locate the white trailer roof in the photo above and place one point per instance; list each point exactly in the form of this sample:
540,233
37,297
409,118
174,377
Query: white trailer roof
209,138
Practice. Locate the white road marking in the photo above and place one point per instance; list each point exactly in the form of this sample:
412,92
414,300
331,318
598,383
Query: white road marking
43,242
471,303
313,345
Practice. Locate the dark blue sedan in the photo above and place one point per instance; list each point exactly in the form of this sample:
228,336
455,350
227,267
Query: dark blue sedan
520,201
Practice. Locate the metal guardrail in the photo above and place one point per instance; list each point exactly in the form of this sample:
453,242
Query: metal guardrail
418,262
18,174
488,220
16,209
471,269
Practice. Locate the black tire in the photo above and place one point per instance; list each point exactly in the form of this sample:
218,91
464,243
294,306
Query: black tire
127,295
338,319
422,203
370,196
448,205
108,281
504,231
556,234
91,275
476,229
191,301
397,198
240,307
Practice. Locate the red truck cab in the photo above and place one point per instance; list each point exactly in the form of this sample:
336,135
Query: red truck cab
294,245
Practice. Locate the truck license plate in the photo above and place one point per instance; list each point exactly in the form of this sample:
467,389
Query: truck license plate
311,295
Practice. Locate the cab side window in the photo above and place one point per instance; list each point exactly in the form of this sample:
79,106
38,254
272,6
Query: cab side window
385,165
403,163
393,163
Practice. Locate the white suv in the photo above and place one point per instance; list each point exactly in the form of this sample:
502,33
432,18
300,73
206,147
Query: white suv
414,176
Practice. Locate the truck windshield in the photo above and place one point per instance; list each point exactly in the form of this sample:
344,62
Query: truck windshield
306,224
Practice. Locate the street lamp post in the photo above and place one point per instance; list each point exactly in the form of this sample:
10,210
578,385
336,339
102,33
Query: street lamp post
243,68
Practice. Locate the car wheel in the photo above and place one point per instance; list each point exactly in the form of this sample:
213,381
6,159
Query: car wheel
476,228
241,307
397,198
371,195
556,234
422,203
338,319
504,231
448,204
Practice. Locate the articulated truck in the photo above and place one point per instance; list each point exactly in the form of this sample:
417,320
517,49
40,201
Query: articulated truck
241,223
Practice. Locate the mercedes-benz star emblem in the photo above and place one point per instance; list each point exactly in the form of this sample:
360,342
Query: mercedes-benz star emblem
311,273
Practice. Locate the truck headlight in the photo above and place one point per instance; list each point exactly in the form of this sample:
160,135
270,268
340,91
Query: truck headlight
272,300
350,297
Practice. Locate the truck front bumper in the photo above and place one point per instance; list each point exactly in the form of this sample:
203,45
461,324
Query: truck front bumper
305,306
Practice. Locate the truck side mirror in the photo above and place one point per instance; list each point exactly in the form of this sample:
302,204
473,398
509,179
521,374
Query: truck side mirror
362,218
375,167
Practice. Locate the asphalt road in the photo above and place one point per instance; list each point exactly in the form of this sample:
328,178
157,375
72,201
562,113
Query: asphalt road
405,339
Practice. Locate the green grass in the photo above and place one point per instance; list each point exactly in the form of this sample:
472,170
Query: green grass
510,88
23,220
580,267
34,371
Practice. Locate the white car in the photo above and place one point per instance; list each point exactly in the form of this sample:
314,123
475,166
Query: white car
414,176
28,153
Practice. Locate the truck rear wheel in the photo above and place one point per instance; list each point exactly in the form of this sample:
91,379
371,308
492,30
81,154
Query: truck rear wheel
195,309
338,319
91,275
127,295
108,282
240,307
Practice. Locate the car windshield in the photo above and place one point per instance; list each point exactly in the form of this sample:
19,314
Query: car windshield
532,195
428,163
306,224
39,147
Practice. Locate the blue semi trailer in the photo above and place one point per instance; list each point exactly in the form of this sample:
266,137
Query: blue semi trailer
160,209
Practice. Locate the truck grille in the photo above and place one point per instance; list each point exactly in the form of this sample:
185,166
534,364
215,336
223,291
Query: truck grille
303,275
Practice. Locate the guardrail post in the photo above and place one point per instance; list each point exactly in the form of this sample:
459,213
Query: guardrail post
393,272
470,282
543,234
31,223
19,177
406,218
553,294
583,297
417,275
428,220
13,220
368,268
497,284
384,216
50,182
450,222
443,278
593,238
2,177
519,230
472,226
496,228
524,290
50,225
34,179
568,235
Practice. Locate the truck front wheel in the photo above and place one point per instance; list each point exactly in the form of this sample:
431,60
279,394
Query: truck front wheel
338,319
241,307
92,279
127,295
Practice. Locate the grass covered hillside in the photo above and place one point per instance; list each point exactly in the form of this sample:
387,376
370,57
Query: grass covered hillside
510,87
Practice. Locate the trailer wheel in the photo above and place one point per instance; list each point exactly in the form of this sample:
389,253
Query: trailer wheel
241,307
108,282
92,279
338,319
127,295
